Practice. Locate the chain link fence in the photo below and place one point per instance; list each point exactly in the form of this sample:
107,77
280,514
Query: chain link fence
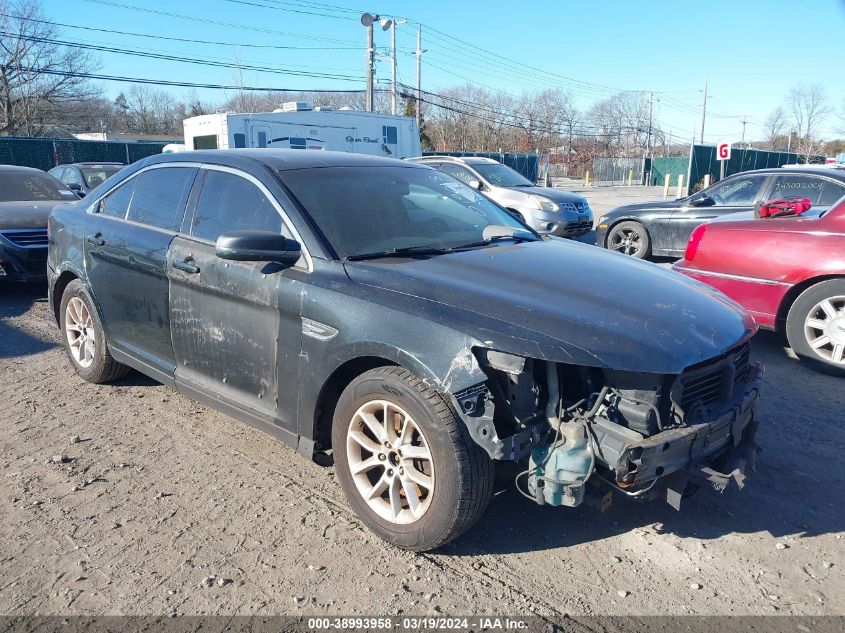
609,171
46,153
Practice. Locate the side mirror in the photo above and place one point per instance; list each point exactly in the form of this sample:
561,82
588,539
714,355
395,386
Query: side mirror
76,188
703,201
475,184
258,246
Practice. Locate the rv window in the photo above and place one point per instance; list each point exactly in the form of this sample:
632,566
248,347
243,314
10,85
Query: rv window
262,139
297,143
240,140
205,142
389,133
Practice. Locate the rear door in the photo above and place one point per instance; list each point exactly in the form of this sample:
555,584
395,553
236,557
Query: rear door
127,236
236,326
732,195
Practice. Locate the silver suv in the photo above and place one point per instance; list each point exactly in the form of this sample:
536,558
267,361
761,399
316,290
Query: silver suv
544,209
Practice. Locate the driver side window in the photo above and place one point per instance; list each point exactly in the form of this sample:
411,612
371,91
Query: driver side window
740,191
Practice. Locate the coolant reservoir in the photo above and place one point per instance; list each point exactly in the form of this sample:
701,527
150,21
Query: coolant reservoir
565,470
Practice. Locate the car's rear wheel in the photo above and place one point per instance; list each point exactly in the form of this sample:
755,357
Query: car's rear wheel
406,462
630,238
84,337
815,326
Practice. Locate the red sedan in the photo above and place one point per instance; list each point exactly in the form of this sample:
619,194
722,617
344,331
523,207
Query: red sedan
788,271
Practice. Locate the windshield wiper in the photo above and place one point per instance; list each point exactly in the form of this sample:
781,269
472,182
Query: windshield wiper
399,252
494,233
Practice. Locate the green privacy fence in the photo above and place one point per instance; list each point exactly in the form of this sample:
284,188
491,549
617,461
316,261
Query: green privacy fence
703,162
672,166
526,164
46,153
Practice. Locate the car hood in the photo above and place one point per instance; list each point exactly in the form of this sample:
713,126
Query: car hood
26,215
558,195
569,302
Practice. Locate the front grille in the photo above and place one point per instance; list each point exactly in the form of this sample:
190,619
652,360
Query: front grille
716,380
573,207
26,238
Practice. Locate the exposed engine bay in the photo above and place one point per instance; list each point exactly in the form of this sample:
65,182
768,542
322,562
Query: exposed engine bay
591,431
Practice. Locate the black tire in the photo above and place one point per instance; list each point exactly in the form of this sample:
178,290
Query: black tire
797,327
630,238
463,473
102,367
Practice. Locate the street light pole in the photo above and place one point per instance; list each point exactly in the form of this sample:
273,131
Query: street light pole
394,96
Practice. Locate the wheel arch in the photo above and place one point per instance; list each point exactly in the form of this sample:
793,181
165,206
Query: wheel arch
62,282
794,292
333,387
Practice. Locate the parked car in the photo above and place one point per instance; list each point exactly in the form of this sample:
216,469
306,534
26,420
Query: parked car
544,209
663,227
83,177
26,198
787,271
392,315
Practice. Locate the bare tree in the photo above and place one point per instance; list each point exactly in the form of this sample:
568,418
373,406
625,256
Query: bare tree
809,106
775,127
152,111
36,74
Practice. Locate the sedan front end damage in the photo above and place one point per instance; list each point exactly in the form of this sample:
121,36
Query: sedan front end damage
637,433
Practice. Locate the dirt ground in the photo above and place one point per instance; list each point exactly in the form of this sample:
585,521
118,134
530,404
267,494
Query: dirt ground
163,506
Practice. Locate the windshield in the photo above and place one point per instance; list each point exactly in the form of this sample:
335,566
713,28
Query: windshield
363,210
501,176
97,175
20,186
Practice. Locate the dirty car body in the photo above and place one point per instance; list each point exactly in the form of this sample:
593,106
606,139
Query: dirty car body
651,383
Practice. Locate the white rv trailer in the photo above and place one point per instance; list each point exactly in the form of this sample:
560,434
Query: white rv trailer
298,126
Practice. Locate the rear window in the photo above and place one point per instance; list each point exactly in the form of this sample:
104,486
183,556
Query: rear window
32,186
95,176
160,196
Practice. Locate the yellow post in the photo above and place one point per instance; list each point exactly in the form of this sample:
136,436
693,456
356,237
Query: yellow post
586,179
680,185
706,180
666,183
630,177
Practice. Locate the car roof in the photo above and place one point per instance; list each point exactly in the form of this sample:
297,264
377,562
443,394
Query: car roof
279,159
469,160
94,164
20,169
820,170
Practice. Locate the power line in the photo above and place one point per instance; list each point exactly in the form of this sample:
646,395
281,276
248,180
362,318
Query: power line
188,60
181,39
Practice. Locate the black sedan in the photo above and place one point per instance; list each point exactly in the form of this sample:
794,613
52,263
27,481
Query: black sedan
26,198
388,317
84,177
663,227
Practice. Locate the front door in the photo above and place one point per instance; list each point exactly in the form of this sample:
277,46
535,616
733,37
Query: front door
734,194
125,253
260,136
236,326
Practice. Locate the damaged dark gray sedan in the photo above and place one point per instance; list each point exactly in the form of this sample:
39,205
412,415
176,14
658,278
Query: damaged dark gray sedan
387,317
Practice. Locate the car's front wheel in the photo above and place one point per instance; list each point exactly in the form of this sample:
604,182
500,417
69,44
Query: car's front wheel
84,337
815,326
408,467
630,238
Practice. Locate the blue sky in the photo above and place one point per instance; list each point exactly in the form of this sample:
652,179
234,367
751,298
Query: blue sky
750,51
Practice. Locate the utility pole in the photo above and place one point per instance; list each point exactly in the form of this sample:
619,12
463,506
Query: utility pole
393,104
650,111
703,111
419,74
789,141
744,122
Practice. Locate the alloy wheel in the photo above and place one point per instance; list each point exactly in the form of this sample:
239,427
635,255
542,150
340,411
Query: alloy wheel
627,241
824,329
79,329
390,461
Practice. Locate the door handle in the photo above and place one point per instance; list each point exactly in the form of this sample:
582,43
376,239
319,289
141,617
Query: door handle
187,266
96,240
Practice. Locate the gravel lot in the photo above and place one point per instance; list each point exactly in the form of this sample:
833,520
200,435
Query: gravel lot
131,499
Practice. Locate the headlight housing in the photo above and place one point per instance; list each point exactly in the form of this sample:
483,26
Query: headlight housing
543,203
